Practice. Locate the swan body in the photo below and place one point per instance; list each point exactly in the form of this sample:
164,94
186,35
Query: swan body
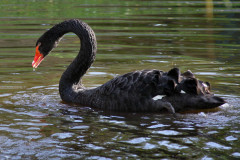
131,92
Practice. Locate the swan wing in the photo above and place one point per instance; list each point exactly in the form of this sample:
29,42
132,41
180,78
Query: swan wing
139,83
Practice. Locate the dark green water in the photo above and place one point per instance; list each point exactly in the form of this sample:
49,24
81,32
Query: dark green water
202,36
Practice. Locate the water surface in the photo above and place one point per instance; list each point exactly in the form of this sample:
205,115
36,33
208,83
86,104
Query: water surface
202,36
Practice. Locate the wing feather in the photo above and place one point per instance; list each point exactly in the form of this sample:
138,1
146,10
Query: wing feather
143,83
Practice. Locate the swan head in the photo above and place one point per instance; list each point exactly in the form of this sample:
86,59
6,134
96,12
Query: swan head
44,46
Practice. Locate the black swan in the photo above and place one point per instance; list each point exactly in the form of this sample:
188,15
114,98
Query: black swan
131,92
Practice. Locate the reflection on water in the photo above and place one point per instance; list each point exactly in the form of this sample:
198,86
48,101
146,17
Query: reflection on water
132,35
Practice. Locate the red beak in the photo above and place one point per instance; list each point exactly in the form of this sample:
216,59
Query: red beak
38,58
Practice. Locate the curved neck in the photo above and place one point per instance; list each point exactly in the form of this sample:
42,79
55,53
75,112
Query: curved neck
73,74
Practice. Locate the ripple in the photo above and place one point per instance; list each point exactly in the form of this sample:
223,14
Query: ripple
158,126
80,127
187,128
7,110
156,61
137,140
167,132
33,114
99,158
5,95
12,81
149,146
231,138
97,73
171,146
36,87
94,147
216,146
32,124
62,135
217,74
236,154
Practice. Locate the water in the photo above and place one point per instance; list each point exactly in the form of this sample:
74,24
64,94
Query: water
132,35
